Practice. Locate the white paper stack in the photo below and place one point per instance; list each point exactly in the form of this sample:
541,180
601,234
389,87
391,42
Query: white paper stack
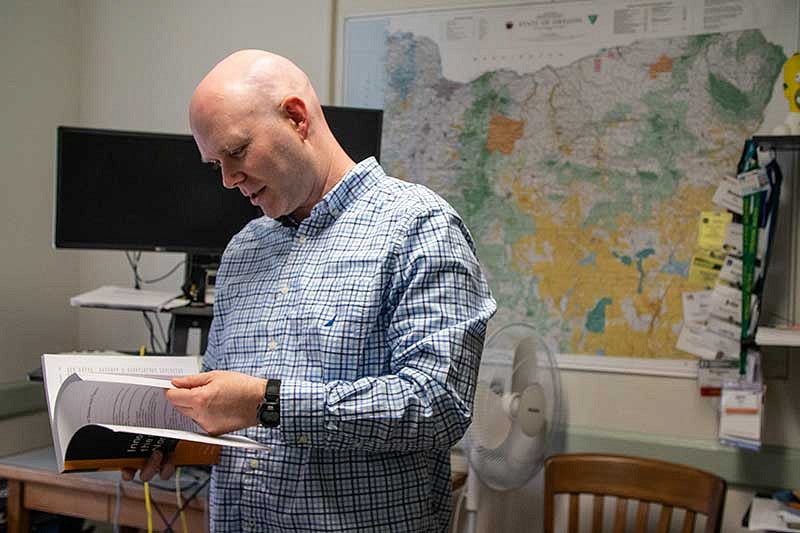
780,336
112,297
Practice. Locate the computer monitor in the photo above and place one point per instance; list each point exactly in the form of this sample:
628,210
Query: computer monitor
123,190
357,130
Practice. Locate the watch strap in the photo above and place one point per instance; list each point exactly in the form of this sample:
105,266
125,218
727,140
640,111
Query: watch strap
272,392
269,410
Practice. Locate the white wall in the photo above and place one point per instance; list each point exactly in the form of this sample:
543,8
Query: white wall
139,65
38,91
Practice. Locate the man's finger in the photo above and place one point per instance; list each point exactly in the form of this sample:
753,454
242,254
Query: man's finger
188,411
152,466
168,467
195,380
180,397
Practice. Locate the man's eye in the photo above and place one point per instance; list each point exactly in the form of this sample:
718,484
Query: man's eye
236,153
214,164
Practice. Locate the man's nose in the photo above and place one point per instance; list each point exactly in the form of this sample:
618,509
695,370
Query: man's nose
231,177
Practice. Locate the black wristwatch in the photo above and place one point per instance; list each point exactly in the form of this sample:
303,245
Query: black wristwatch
269,410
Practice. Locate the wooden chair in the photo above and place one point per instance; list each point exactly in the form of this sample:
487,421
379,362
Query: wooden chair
646,480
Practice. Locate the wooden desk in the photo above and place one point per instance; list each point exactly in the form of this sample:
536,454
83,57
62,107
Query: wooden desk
34,484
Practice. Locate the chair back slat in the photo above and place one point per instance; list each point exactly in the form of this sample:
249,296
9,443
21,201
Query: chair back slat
621,515
597,514
665,519
641,517
574,513
688,522
647,481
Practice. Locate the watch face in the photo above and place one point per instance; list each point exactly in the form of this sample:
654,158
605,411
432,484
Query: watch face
268,415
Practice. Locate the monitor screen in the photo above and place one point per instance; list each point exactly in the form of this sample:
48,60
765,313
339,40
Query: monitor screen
120,190
357,130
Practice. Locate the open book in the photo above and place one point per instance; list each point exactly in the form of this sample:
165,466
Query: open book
108,412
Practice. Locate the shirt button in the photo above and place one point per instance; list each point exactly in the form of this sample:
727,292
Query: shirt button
254,463
284,290
302,439
335,212
273,345
302,239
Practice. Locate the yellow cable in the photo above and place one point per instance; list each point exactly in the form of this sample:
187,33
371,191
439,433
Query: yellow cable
146,484
147,506
178,498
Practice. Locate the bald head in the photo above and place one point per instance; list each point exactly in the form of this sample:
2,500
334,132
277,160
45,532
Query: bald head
253,79
256,115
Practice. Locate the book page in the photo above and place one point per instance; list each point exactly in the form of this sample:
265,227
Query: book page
82,402
236,441
56,368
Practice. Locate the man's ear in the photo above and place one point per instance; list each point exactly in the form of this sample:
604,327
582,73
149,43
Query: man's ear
295,108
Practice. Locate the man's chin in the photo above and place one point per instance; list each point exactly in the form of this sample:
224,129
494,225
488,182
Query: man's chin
273,214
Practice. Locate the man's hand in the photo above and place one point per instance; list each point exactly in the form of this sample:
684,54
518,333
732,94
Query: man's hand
157,462
219,401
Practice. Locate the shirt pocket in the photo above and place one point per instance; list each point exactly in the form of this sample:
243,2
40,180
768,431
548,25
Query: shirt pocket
244,334
334,329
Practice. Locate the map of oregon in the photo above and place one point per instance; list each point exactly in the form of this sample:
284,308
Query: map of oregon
582,184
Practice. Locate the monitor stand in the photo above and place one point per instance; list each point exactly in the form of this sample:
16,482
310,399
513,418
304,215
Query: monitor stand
182,320
198,287
201,271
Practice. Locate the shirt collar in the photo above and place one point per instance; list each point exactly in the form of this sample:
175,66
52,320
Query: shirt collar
356,182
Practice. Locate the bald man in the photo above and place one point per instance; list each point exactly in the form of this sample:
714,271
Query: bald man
348,322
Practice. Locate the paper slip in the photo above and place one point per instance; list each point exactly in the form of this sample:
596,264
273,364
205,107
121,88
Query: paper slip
704,268
711,374
728,195
705,344
732,271
712,256
690,341
741,413
723,328
726,303
753,181
742,402
696,306
732,243
734,238
722,345
711,232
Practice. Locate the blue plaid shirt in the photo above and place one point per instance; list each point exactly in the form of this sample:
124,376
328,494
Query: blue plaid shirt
372,311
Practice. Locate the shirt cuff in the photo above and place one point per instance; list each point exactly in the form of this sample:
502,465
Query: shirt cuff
302,412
